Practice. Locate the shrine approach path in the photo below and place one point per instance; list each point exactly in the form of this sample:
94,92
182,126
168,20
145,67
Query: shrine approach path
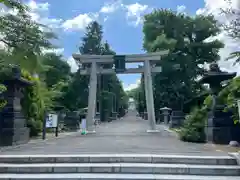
124,136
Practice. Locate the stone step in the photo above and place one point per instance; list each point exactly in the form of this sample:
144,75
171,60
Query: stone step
112,177
120,158
144,168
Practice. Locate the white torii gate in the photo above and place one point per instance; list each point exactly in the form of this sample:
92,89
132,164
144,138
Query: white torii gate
96,61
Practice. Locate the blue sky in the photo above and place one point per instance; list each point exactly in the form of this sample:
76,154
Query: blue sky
121,20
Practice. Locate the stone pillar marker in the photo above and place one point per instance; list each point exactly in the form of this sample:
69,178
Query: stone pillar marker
166,113
13,129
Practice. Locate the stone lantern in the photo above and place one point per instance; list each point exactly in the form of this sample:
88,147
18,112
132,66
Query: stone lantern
166,112
220,127
13,128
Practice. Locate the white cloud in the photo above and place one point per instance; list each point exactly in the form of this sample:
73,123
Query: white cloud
181,9
230,46
72,63
79,22
105,19
38,6
135,13
214,7
111,7
56,51
52,23
39,12
128,87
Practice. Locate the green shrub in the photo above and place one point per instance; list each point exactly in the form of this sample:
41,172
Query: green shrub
194,125
33,104
35,127
2,101
106,100
35,101
229,95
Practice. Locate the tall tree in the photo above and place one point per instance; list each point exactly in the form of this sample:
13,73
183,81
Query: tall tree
92,43
92,40
185,37
14,4
57,69
76,96
24,40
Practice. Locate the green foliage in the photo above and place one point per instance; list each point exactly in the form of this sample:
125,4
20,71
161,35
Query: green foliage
107,99
37,100
185,37
2,101
14,4
24,40
76,96
57,69
234,55
33,104
229,96
208,101
58,91
193,128
92,41
35,127
138,94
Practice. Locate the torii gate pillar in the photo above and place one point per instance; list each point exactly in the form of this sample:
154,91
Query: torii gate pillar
96,60
92,99
149,96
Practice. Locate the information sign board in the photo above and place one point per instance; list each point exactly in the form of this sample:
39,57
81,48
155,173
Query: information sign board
51,121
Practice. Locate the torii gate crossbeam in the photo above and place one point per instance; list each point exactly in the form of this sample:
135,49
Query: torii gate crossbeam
97,60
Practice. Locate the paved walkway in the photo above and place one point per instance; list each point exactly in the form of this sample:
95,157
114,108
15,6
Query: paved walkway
127,135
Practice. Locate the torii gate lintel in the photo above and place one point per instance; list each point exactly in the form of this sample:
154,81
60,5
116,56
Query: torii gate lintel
97,60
